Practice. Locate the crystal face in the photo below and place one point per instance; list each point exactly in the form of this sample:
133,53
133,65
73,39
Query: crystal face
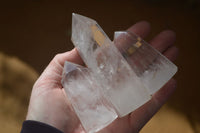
150,66
86,97
120,75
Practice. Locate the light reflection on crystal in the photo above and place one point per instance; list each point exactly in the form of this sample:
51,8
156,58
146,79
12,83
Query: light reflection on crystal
151,67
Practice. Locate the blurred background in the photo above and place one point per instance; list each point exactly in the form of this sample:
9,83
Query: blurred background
33,31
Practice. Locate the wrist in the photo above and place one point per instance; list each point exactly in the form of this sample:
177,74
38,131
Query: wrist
30,126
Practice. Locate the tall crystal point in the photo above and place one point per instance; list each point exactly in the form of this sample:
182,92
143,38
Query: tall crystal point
121,86
120,75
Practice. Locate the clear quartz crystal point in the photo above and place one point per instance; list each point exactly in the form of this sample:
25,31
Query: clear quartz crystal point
120,75
86,98
150,66
121,86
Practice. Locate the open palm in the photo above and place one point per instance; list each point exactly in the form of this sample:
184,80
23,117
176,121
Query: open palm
50,105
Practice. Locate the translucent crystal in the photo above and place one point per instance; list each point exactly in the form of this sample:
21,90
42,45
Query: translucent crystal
120,76
150,66
120,84
86,98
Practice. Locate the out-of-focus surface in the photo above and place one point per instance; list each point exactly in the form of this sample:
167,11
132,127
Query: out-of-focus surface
16,80
34,31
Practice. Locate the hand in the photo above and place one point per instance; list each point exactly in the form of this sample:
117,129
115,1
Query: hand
49,104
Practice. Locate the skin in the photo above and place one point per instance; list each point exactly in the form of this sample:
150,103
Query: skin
50,105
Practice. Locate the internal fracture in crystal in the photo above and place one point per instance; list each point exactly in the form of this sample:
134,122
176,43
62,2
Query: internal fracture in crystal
120,75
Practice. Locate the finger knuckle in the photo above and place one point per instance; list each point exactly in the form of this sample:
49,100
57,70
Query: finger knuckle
57,56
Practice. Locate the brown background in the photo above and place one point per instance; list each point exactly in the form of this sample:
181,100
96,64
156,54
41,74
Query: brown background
36,30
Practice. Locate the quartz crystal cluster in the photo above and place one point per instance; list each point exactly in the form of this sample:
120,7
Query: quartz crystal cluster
120,76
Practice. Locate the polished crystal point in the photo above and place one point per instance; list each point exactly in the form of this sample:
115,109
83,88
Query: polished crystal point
121,86
86,97
150,66
120,75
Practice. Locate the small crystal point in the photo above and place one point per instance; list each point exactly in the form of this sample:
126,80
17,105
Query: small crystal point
86,98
